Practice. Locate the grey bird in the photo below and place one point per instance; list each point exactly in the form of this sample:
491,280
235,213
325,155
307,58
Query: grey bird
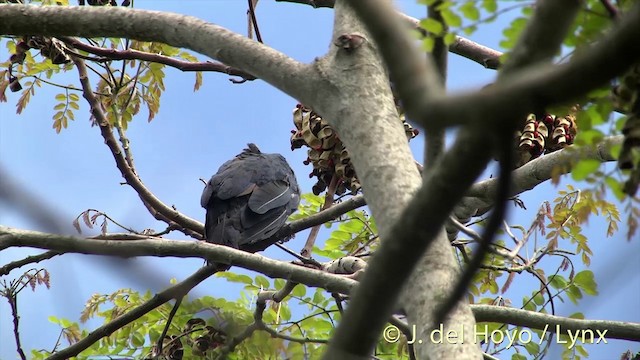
249,199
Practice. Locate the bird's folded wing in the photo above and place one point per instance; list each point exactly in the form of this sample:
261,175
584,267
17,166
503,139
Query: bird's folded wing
259,227
269,196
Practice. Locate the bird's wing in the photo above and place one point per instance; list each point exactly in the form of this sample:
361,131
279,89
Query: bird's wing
257,227
234,179
271,195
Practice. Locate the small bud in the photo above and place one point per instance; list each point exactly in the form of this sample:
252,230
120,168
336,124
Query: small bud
349,42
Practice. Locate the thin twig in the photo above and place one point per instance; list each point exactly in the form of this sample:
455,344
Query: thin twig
254,21
12,297
131,54
173,312
155,206
4,270
328,202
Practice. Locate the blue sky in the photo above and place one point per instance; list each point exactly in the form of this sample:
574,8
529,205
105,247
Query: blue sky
193,134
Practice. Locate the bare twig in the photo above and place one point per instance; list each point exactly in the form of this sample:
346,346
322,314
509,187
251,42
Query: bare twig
4,270
131,54
173,312
253,20
12,298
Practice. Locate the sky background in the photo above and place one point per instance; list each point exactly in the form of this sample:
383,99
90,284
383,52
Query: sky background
192,135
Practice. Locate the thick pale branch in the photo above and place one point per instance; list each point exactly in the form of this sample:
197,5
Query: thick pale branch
414,76
417,227
480,197
177,30
551,323
10,237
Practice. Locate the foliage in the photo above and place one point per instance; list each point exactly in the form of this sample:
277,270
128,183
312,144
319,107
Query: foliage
305,319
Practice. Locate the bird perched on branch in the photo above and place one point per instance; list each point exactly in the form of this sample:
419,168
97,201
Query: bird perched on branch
249,199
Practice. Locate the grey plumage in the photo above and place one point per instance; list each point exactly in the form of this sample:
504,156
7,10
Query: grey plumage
249,199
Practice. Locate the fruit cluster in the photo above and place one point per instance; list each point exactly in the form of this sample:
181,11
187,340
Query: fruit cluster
548,134
327,154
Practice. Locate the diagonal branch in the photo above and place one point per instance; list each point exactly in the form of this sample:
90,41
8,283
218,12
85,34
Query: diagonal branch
173,292
156,207
542,85
4,270
479,198
131,54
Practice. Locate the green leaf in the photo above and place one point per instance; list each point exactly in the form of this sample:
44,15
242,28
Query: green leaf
238,278
616,187
574,294
557,282
61,97
584,168
428,44
450,18
589,137
470,11
431,25
299,291
577,315
490,5
449,38
262,282
585,281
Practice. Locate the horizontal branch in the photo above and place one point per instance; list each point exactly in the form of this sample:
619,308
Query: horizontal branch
610,329
10,237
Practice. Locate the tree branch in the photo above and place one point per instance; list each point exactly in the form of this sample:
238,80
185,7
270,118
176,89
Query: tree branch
175,291
415,78
131,54
156,207
10,237
539,41
169,28
479,198
535,320
542,85
4,270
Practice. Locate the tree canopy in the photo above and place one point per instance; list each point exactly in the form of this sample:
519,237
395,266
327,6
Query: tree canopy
433,223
